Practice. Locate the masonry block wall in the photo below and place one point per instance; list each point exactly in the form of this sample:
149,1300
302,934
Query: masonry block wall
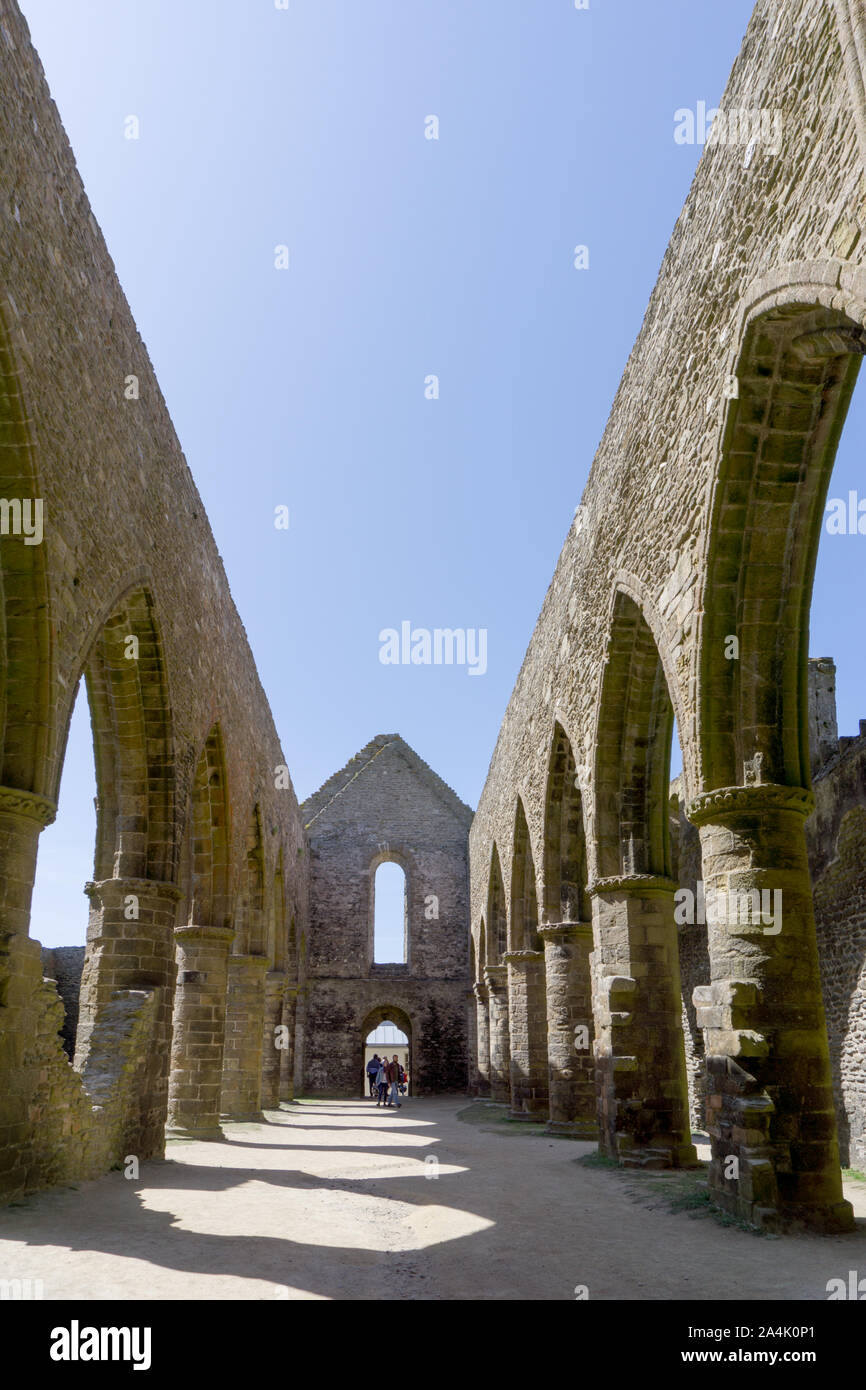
126,553
387,805
837,855
682,591
837,864
64,965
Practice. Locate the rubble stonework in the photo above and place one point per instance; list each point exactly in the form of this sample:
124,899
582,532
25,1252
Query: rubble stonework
387,805
229,958
681,593
186,748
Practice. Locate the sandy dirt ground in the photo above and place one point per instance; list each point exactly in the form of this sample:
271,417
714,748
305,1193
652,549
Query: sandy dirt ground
339,1200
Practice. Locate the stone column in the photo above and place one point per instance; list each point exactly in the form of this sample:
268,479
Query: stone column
300,1059
130,947
22,818
471,1045
496,977
573,1105
527,1022
482,1031
198,1032
639,1054
272,1054
242,1060
287,1056
769,1091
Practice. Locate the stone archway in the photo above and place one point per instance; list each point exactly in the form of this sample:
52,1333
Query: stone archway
385,1013
763,1016
527,1003
640,1059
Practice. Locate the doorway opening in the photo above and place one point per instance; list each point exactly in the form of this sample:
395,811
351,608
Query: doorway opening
386,1031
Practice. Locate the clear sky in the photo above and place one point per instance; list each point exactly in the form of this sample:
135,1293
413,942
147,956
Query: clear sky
408,257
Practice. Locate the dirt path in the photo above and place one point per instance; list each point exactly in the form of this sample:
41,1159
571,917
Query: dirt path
334,1199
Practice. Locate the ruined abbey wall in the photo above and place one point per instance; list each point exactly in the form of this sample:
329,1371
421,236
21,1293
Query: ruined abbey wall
837,843
194,829
387,805
229,943
837,864
682,592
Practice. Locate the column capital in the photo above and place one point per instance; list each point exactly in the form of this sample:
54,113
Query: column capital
192,932
260,962
636,884
479,989
141,887
555,931
756,799
522,957
14,801
496,976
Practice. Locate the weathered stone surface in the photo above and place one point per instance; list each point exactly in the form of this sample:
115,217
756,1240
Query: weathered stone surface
126,588
679,594
387,805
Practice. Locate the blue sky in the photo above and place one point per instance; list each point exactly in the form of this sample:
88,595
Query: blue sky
408,257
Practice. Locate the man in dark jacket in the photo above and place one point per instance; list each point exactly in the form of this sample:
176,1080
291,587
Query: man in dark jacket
373,1066
394,1082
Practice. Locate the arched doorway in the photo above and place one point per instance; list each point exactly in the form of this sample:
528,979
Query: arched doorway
391,1028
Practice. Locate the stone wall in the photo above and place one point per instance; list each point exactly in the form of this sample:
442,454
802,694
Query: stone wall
126,589
63,965
387,805
837,863
837,854
682,593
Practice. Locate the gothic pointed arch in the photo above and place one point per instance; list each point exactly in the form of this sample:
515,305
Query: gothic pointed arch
795,373
208,901
133,744
26,690
496,912
251,936
565,867
633,745
524,897
278,950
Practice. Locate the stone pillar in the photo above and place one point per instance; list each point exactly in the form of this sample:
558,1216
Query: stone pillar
198,1032
573,1105
22,818
471,1045
275,982
482,1031
130,946
300,1058
527,1022
287,1056
496,977
643,1111
242,1060
769,1091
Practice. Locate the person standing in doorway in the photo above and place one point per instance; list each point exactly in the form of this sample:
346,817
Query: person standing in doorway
373,1066
382,1083
394,1079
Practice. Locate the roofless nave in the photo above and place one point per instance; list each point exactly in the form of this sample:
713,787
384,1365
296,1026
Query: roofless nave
700,524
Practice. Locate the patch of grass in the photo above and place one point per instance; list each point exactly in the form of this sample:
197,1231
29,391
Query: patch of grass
597,1160
679,1191
853,1175
497,1119
481,1112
